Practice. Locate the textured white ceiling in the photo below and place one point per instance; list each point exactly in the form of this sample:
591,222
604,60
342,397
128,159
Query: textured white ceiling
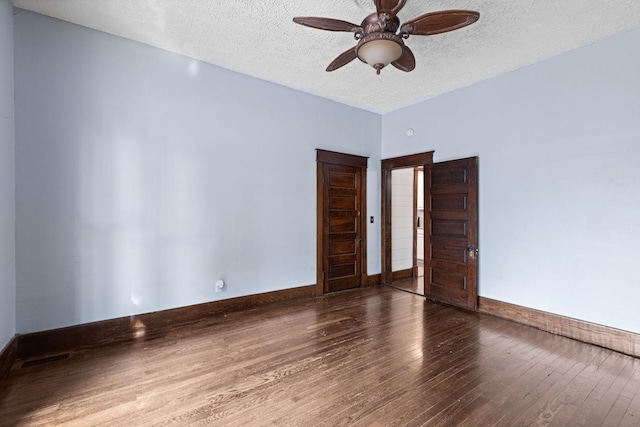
260,39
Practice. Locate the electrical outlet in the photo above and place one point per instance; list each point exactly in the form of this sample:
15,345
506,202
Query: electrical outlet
371,220
221,286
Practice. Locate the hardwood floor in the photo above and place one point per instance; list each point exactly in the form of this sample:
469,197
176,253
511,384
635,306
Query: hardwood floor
414,285
369,357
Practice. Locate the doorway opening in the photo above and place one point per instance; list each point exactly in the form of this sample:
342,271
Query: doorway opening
402,249
407,230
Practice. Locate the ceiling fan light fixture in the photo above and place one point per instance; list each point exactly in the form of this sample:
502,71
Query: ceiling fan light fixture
381,37
379,49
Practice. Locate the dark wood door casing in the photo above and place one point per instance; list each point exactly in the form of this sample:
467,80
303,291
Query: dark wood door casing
387,165
341,257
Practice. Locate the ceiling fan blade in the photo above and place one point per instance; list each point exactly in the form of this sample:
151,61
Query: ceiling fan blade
327,24
406,62
393,6
343,59
439,22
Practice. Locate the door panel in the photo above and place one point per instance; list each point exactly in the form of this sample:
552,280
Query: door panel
341,202
339,224
343,230
451,271
342,248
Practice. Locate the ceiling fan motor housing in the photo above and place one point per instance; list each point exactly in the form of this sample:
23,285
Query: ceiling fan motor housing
380,22
379,45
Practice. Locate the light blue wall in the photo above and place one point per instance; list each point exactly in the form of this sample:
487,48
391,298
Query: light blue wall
143,177
559,149
7,176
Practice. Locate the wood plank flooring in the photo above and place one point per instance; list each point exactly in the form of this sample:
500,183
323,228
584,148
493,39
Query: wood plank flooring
414,285
372,357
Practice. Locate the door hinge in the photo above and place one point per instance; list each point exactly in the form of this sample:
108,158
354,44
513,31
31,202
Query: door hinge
464,285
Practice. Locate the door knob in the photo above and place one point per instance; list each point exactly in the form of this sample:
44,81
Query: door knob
471,252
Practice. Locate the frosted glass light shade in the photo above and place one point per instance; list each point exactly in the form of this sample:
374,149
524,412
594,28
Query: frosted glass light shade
379,52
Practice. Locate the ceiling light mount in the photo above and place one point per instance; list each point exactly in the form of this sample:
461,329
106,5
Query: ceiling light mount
366,5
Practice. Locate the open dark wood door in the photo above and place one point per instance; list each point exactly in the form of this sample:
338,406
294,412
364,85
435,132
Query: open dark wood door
451,262
341,227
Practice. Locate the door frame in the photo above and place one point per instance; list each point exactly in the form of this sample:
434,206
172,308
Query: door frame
331,157
387,165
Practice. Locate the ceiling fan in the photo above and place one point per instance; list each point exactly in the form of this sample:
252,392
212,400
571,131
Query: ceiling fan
381,37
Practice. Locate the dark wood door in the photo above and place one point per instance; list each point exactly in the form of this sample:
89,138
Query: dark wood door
341,203
451,264
342,227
